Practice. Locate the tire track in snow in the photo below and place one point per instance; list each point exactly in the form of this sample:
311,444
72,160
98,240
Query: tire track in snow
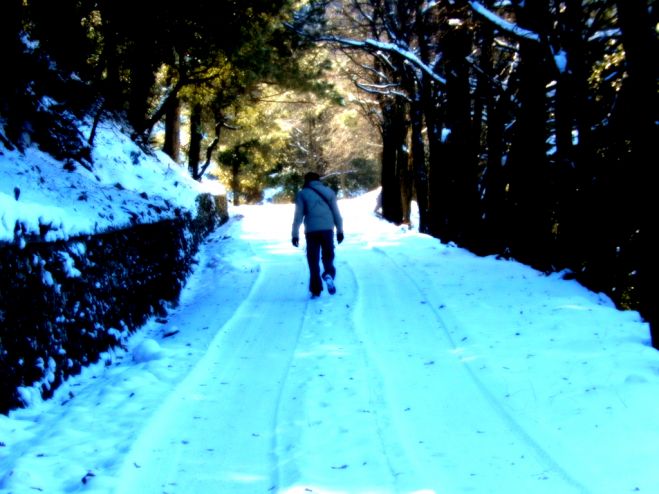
279,453
397,460
223,441
442,319
329,436
545,475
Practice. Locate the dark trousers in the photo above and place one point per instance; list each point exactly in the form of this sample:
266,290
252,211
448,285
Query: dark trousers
320,246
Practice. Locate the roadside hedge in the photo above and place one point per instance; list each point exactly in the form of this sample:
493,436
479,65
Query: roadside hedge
62,304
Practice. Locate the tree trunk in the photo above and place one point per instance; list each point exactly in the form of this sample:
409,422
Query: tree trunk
112,86
219,123
641,52
460,151
528,192
142,80
10,29
493,181
172,144
394,131
195,141
427,105
453,174
13,82
419,167
404,167
424,111
235,182
582,228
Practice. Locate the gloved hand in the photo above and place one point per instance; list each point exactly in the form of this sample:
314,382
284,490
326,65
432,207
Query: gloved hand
339,237
295,241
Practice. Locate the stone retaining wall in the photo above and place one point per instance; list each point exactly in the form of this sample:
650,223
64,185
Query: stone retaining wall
63,304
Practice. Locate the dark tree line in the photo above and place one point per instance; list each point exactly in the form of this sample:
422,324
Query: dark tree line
523,129
106,58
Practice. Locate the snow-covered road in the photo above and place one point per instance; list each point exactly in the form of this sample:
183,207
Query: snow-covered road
350,393
429,371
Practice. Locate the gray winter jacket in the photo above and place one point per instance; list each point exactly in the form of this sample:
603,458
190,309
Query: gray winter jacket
314,211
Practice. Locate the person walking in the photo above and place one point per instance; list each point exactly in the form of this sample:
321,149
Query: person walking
317,208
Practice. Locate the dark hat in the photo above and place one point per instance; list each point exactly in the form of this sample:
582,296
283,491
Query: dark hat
310,177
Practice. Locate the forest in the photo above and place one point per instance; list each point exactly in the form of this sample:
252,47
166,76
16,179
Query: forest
521,129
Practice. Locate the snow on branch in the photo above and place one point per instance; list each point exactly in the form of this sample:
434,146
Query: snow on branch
370,44
373,70
428,6
504,25
338,174
384,89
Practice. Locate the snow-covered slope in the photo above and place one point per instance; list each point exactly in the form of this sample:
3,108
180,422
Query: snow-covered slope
123,186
